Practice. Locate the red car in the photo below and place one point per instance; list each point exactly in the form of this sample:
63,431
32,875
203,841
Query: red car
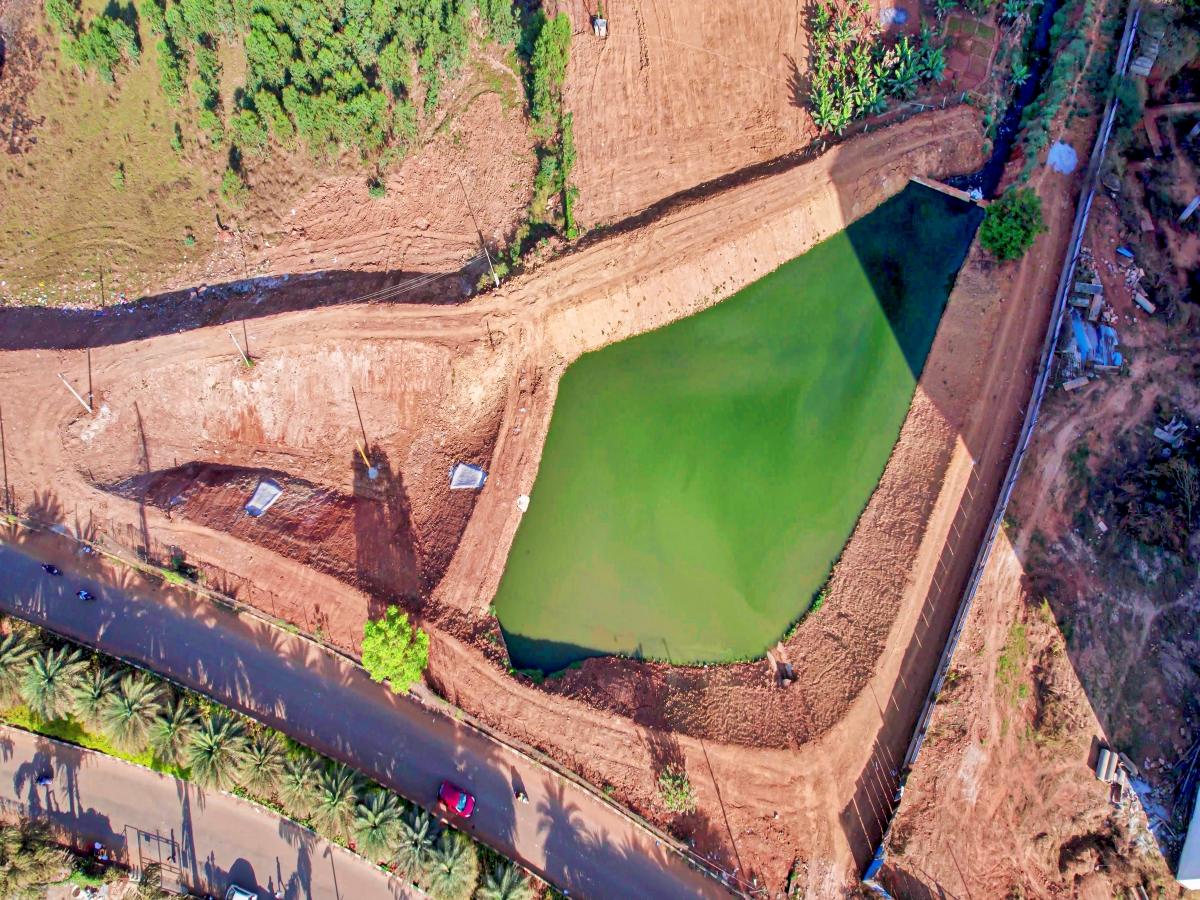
456,800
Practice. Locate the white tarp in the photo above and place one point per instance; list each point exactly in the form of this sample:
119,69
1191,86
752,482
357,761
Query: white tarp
465,476
264,497
1188,873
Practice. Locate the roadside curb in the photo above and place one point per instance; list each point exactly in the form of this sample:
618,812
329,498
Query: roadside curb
253,804
441,706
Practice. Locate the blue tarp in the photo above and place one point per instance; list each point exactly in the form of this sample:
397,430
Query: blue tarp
1095,344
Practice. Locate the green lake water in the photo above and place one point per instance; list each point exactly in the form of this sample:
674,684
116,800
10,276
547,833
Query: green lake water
699,481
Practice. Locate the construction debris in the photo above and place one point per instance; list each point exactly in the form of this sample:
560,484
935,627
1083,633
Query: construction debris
465,476
1173,433
1075,383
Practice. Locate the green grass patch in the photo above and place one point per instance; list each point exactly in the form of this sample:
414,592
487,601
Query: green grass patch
72,732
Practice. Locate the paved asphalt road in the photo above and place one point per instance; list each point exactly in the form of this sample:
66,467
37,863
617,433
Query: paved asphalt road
564,833
207,840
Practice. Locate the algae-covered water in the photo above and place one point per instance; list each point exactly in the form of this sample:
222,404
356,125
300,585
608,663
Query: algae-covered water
699,481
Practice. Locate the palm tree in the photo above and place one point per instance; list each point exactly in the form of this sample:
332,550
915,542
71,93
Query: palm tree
298,785
506,882
91,694
128,714
216,750
262,765
173,730
48,685
338,788
455,867
17,648
414,845
149,886
28,861
375,824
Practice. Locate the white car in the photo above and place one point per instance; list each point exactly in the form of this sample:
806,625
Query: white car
239,893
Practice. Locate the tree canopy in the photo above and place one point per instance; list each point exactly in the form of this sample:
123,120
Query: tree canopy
1012,223
394,650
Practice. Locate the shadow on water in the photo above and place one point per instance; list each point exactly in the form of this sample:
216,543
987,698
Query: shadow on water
910,250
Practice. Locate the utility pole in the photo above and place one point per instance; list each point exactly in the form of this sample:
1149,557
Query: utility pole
74,394
4,456
244,357
478,231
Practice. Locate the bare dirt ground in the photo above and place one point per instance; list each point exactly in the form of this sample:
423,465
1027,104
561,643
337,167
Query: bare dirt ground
182,430
1083,630
678,94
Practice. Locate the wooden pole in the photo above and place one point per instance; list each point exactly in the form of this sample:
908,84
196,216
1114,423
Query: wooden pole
478,231
366,443
245,338
91,401
82,402
4,456
245,359
363,454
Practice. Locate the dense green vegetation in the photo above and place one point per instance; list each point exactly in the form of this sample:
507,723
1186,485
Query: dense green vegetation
395,651
105,45
1012,223
854,73
1069,51
53,687
546,44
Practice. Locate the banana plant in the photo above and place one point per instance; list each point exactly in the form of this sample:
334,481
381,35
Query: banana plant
1020,74
933,66
941,7
1012,10
823,108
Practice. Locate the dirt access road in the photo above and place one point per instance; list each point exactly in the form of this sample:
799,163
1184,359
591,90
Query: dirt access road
204,840
182,430
563,834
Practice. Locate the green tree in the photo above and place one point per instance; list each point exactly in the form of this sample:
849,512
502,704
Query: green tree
298,785
16,650
376,825
91,694
416,834
49,684
234,190
454,869
506,882
130,712
338,790
394,650
262,764
216,751
29,862
173,730
1012,223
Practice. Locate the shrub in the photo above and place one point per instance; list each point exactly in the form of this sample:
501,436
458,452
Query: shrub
675,790
392,649
376,189
234,190
1012,223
